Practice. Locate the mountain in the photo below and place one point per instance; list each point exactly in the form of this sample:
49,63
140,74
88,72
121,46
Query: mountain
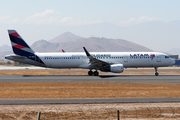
4,53
65,37
5,48
93,44
155,35
44,46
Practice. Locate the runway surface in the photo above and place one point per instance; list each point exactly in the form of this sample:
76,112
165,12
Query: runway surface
102,78
88,101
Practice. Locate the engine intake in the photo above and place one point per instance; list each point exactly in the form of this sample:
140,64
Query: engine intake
117,68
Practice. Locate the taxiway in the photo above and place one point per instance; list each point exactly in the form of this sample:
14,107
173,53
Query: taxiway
87,101
102,78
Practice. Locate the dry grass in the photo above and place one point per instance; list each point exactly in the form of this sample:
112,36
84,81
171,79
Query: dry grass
43,72
88,90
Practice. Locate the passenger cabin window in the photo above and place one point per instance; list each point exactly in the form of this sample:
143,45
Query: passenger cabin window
166,56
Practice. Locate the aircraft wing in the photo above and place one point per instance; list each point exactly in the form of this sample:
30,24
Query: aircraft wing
95,63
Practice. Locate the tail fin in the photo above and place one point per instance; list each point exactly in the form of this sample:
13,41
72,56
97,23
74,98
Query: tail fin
63,51
20,47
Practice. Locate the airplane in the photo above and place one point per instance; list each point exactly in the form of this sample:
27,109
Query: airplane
114,62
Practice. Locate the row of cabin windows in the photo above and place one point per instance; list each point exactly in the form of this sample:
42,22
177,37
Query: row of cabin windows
62,57
95,57
79,57
109,57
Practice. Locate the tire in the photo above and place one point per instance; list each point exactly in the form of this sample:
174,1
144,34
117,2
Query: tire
156,74
90,73
96,73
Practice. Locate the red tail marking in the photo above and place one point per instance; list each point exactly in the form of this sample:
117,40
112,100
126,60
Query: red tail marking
14,34
63,51
18,46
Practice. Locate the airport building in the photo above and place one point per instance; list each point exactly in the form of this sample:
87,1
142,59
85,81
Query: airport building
175,57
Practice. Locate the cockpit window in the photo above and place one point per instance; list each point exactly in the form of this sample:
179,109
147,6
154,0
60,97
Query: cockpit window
166,56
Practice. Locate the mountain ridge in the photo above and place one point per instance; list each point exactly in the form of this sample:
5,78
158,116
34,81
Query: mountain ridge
93,44
65,37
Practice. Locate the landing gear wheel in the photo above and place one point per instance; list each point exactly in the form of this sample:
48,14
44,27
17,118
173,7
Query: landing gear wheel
96,73
156,74
90,73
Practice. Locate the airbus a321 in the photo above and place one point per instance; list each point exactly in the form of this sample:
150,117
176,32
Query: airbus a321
98,61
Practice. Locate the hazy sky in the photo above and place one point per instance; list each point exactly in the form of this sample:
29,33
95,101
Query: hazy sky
37,16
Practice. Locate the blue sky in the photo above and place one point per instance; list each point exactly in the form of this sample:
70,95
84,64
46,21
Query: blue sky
40,15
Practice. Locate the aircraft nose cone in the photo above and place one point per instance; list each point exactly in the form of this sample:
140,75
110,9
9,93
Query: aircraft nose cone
173,62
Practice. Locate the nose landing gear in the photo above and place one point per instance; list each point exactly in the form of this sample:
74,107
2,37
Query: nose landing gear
156,73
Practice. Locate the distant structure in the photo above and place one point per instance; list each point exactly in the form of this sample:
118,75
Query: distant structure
177,63
175,57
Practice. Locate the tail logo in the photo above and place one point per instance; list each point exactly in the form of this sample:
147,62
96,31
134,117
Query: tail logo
14,34
19,46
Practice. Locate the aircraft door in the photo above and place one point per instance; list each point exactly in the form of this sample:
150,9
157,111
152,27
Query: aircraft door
125,59
158,59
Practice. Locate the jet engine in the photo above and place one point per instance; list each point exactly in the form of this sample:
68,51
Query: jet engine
115,68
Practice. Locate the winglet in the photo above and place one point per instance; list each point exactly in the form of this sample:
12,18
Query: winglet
87,53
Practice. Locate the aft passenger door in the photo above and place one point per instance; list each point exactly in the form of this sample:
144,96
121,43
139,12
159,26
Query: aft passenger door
125,59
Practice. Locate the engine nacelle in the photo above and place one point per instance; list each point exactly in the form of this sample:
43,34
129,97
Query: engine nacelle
117,68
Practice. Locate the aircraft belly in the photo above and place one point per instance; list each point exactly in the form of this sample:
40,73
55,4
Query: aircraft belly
27,61
142,63
62,64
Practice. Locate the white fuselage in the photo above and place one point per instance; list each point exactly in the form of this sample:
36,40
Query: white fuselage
80,60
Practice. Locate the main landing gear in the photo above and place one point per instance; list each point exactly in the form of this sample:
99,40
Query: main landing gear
95,73
156,73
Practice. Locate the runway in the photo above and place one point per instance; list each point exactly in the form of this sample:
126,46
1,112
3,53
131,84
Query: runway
88,101
83,78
